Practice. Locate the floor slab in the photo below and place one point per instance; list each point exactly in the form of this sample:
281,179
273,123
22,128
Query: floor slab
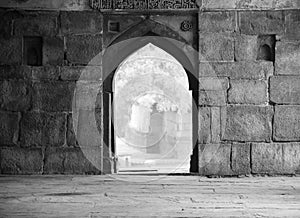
134,195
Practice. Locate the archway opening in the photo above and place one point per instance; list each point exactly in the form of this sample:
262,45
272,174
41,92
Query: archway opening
152,120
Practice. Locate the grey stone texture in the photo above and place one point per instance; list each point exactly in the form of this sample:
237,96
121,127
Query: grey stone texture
9,128
217,21
285,89
247,124
245,48
53,50
81,49
15,95
216,47
292,24
53,95
213,98
276,158
240,158
204,135
10,51
43,129
248,92
287,58
21,160
287,123
237,70
261,22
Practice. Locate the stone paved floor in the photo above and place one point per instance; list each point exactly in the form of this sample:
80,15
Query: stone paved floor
123,195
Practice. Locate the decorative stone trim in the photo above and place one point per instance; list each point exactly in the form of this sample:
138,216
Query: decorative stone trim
143,4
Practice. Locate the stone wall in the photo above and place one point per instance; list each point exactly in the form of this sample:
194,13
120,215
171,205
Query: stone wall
249,101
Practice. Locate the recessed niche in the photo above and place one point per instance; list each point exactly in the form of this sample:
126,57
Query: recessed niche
113,26
266,49
32,50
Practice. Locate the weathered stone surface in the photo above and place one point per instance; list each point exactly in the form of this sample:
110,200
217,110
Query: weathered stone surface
214,159
9,128
204,125
247,123
71,137
43,129
216,47
262,22
53,51
287,123
10,52
15,72
287,58
92,73
212,98
292,23
266,158
82,49
247,92
80,22
36,24
125,22
291,158
285,89
215,124
219,4
237,70
21,161
245,48
213,84
88,95
45,73
47,5
15,95
53,96
240,161
69,161
217,21
6,22
276,158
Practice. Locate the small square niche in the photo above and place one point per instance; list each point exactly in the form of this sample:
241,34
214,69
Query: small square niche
266,47
32,50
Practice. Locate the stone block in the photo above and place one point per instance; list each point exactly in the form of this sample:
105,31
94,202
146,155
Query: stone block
240,158
237,70
43,129
88,95
292,24
214,159
80,22
15,72
82,49
215,124
87,73
266,158
248,92
219,4
246,48
204,135
11,51
216,47
261,22
287,58
247,123
217,21
53,96
9,128
291,158
15,95
69,161
36,24
45,73
71,137
212,98
285,89
53,51
213,84
287,123
21,160
6,22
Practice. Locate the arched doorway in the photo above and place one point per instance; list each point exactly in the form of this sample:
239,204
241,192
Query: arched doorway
152,113
119,51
